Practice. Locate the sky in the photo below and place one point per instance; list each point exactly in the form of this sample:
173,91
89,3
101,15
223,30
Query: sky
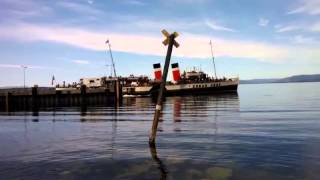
66,39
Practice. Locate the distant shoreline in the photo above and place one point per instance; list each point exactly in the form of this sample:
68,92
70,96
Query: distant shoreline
281,82
291,79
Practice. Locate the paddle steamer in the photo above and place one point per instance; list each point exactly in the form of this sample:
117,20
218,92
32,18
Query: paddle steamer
190,82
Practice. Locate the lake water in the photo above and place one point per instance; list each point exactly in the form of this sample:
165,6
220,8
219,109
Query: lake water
268,131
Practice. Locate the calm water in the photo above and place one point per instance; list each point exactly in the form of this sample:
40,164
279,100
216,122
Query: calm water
269,131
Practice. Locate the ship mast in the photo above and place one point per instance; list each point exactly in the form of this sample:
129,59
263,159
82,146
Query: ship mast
114,69
214,64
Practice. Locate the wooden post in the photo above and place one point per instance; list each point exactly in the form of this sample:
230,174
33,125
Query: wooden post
83,101
118,93
117,90
8,97
57,99
35,100
162,88
83,95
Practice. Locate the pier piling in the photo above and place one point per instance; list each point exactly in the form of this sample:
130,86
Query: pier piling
7,101
35,99
118,93
83,96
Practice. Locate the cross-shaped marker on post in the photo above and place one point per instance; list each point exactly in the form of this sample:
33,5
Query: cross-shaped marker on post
167,35
170,42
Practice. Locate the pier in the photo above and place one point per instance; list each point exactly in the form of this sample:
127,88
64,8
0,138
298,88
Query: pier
13,99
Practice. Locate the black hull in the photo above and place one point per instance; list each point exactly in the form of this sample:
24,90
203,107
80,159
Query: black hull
198,91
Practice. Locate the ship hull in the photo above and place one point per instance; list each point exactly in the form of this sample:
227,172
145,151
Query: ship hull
199,91
185,89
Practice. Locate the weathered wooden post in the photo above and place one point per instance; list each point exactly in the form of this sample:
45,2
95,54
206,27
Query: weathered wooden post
170,42
118,92
83,95
7,99
35,102
57,99
83,101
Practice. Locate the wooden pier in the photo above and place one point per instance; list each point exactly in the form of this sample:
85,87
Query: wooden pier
32,99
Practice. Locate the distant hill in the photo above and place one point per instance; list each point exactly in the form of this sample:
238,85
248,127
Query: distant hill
297,78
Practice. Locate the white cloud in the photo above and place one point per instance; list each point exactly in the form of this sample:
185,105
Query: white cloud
155,25
311,27
192,46
263,22
135,2
217,27
90,1
23,9
281,29
300,39
21,66
189,1
315,27
80,8
80,61
311,7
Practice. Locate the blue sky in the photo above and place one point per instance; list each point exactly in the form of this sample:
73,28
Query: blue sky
252,39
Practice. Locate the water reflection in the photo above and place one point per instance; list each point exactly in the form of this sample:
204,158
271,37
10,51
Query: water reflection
114,134
84,109
35,115
201,109
161,166
177,109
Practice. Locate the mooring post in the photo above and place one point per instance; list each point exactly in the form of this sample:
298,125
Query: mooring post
35,100
170,40
83,95
8,97
118,91
57,99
